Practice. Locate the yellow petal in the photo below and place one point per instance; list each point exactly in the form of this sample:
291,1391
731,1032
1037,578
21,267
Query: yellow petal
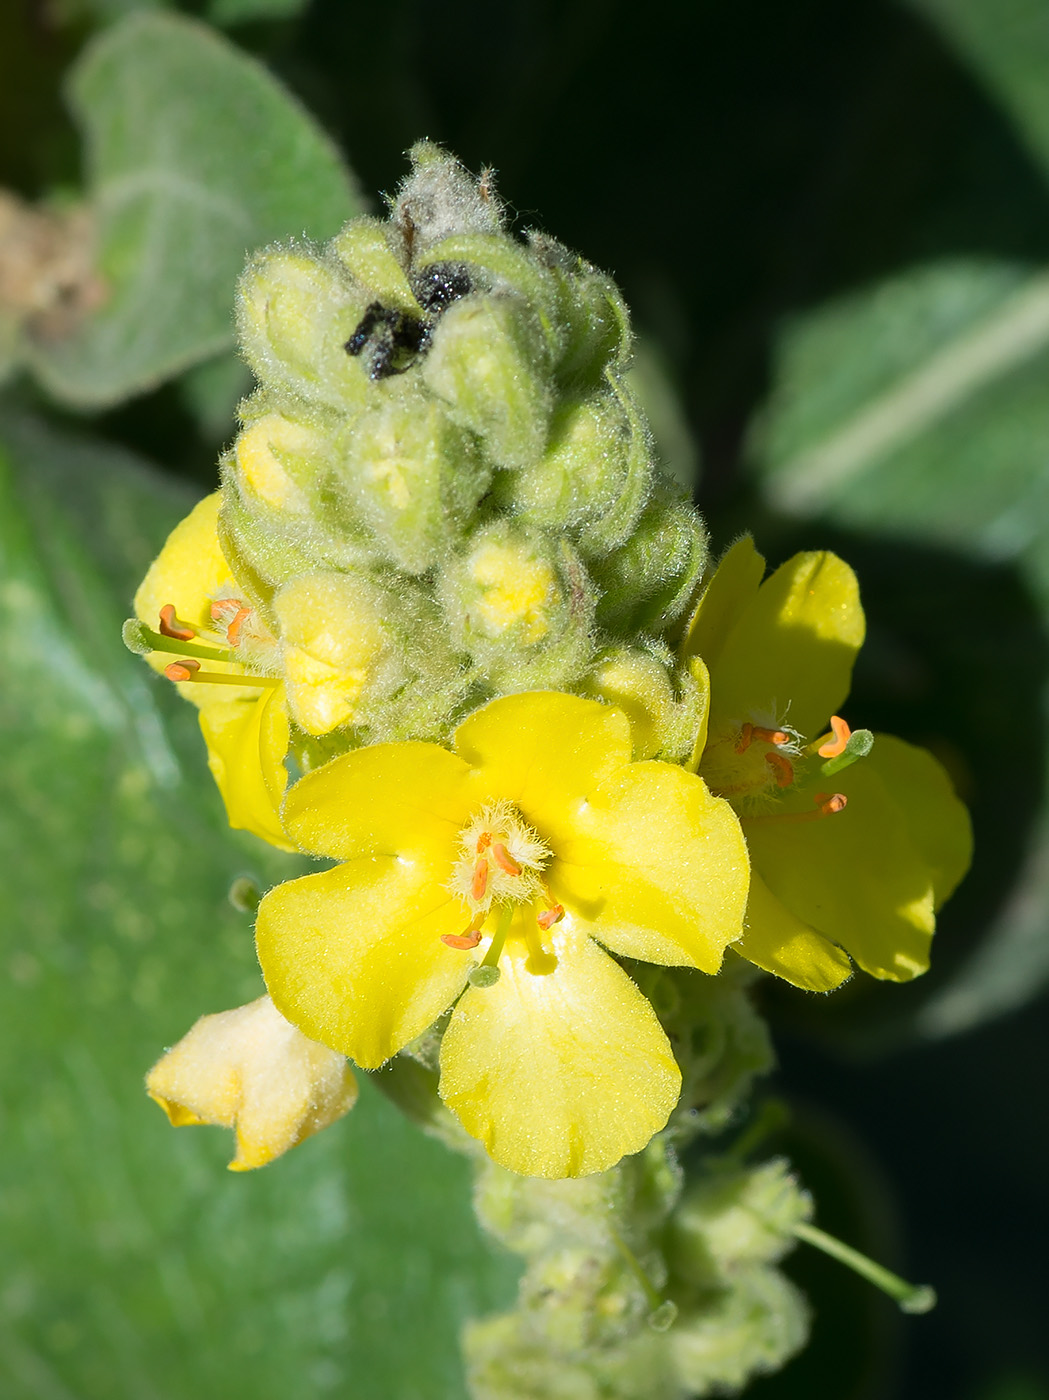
937,821
699,673
726,597
353,956
249,1069
544,751
781,944
190,571
247,744
655,867
856,877
560,1073
408,800
790,653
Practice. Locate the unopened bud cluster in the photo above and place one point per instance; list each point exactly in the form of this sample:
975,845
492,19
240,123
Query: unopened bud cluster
443,488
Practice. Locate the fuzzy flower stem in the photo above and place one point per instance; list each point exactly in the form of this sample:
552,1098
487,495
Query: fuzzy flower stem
912,1298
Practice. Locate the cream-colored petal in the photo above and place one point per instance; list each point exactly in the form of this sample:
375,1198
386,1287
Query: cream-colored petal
353,956
385,799
247,744
778,942
656,867
250,1070
559,1073
544,751
722,603
790,654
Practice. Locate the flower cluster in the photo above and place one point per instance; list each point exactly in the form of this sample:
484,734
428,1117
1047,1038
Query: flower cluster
447,625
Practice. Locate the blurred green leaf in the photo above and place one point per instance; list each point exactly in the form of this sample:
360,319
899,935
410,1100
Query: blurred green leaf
196,156
1007,43
247,11
134,1264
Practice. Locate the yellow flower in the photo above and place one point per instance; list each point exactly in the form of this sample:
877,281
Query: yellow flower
250,1070
534,838
853,848
195,608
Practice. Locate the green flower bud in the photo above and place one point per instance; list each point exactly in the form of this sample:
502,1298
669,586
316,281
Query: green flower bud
441,198
412,476
279,462
592,479
366,248
295,312
753,1328
487,363
734,1220
591,309
648,582
661,702
521,605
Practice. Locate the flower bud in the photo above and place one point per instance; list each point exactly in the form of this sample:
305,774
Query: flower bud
336,649
486,362
752,1328
659,702
412,476
735,1219
441,198
591,310
295,313
365,248
251,1070
647,583
521,606
279,463
593,477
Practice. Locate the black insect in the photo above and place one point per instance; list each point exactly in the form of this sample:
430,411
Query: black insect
393,340
438,285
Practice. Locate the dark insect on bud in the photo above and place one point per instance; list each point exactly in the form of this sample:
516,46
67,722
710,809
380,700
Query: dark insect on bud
438,285
392,339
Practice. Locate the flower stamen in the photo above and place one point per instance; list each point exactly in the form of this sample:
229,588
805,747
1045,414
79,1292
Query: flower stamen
749,732
172,626
479,883
834,743
782,769
463,941
828,804
504,859
546,918
189,670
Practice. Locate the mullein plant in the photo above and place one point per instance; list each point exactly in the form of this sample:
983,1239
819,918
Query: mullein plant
447,625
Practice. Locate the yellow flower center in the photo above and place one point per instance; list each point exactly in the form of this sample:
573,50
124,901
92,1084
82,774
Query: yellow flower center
501,861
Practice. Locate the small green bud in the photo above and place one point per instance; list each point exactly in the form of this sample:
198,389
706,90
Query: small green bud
441,198
295,313
412,476
365,247
736,1219
658,700
521,605
648,582
591,309
592,479
278,464
752,1328
486,362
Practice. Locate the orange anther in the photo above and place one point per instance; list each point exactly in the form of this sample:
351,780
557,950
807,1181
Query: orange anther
181,670
479,883
782,769
504,860
484,841
770,736
745,736
546,918
465,941
170,626
233,630
831,802
836,744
